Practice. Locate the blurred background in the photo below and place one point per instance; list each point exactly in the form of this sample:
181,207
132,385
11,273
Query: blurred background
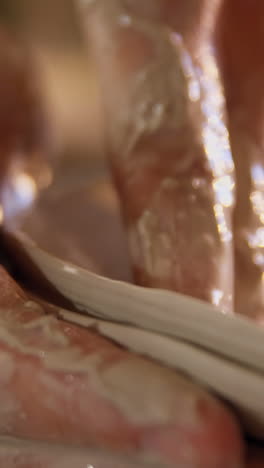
57,190
52,34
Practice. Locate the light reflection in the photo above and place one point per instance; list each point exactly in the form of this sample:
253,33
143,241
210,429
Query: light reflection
256,239
70,269
226,234
259,259
257,200
197,182
215,134
186,58
224,231
257,174
194,91
217,149
211,67
223,187
217,296
205,85
216,143
125,20
219,212
215,137
25,188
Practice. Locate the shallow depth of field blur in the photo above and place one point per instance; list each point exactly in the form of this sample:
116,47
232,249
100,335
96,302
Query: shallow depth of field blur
66,74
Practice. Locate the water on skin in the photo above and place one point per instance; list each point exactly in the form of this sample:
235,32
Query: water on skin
165,108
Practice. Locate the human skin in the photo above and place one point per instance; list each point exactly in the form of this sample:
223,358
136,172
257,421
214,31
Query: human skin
66,384
240,34
168,143
162,438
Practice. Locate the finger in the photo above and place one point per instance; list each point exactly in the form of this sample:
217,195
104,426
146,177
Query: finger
63,383
241,33
168,143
